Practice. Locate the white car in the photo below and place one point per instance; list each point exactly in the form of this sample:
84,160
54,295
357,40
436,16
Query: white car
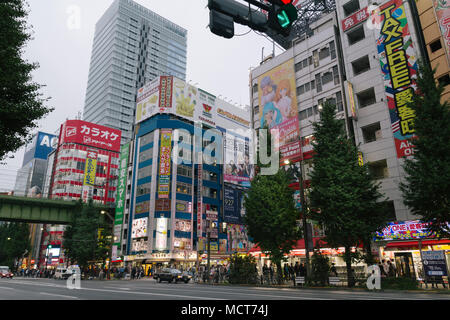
60,273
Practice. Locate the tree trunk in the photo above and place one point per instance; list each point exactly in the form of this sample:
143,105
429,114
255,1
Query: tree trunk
348,263
279,272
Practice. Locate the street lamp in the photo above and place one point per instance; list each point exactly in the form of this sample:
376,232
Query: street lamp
299,175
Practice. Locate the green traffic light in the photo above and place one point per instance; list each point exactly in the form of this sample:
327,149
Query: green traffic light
283,19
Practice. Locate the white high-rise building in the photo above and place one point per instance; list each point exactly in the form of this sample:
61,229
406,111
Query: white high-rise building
132,45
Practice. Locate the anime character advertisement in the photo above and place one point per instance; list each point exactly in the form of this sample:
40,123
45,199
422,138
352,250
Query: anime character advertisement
399,67
279,110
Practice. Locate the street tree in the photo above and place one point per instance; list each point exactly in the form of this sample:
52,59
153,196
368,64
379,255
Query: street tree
426,189
344,199
88,238
14,243
21,103
271,216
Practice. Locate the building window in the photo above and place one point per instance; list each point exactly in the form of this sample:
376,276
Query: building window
339,103
356,35
210,176
444,80
327,77
300,90
298,66
143,189
209,192
366,98
325,52
332,50
144,172
318,83
184,171
336,74
184,188
435,45
361,65
378,169
316,58
371,133
145,155
351,7
146,139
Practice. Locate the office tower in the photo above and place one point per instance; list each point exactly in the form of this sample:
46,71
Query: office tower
132,45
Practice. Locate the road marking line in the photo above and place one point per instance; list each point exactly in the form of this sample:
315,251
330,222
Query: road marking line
58,295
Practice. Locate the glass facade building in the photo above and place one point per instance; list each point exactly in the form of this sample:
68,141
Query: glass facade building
132,45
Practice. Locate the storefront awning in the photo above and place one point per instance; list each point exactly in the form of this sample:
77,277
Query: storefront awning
318,242
416,243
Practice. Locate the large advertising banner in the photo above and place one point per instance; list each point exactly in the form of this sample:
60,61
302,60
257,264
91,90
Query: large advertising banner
91,134
120,197
164,163
233,205
404,230
399,67
279,109
40,147
139,228
237,238
237,159
147,100
442,10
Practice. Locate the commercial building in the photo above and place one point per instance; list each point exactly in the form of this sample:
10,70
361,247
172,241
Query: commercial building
132,45
85,163
84,166
346,58
435,24
176,196
30,180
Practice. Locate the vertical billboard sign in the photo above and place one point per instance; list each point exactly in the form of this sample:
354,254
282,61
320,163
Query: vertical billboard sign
164,163
442,11
278,102
161,234
237,159
90,167
165,93
233,206
399,67
200,201
120,197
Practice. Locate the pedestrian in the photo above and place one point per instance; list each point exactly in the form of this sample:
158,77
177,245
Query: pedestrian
101,274
286,271
333,271
392,272
381,267
271,271
297,269
133,273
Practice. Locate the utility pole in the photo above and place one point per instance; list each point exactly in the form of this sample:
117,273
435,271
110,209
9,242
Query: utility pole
299,175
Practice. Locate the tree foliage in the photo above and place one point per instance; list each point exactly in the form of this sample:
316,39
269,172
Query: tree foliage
242,270
21,104
88,238
14,242
426,189
344,199
271,216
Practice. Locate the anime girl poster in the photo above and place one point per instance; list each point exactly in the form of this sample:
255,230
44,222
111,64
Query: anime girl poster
279,109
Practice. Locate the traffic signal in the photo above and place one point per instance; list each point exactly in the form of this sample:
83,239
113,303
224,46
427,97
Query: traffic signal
282,15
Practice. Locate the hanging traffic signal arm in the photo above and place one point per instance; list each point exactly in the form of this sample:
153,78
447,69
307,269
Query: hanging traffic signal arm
277,25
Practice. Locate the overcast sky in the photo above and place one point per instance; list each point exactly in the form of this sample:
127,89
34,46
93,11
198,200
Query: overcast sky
62,47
